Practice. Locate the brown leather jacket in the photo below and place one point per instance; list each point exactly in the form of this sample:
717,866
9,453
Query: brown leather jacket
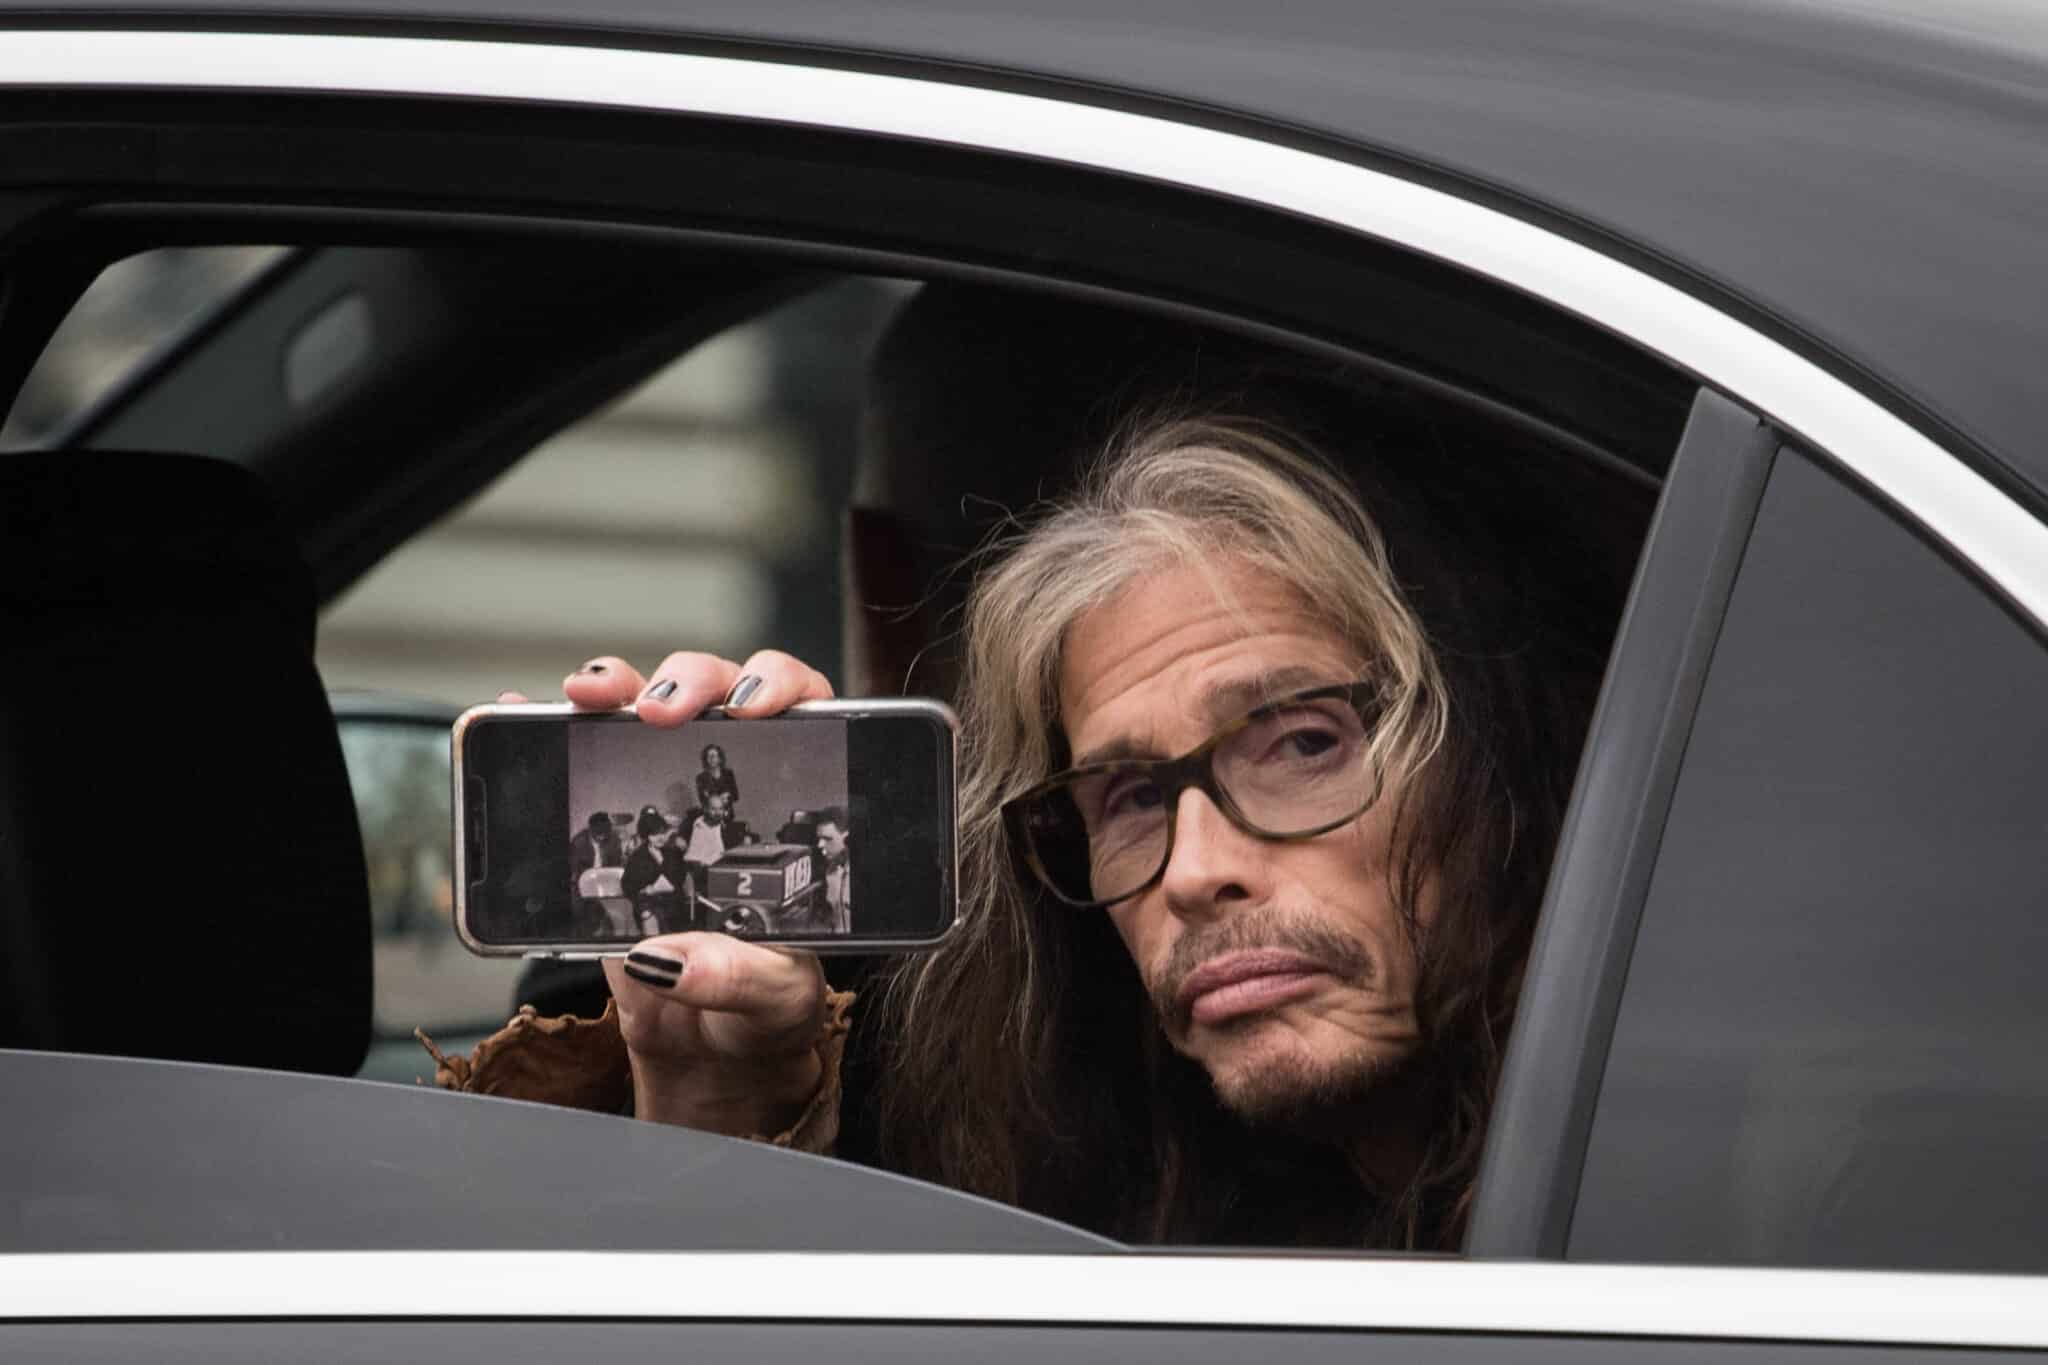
581,1064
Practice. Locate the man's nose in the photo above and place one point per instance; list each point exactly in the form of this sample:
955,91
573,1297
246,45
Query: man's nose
1214,865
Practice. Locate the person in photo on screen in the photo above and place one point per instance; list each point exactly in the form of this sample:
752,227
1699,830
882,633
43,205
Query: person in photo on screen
646,881
715,778
835,847
595,845
707,834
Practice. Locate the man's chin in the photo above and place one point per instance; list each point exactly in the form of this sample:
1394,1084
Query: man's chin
1269,1084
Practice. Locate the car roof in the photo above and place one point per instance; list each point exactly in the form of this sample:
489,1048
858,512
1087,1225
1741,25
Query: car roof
1869,175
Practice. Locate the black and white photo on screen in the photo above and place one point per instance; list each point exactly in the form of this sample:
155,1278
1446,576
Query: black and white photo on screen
722,826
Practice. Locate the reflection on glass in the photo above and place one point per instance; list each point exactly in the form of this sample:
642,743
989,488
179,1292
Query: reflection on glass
699,509
135,306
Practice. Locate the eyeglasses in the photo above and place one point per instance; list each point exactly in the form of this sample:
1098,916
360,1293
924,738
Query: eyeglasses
1292,769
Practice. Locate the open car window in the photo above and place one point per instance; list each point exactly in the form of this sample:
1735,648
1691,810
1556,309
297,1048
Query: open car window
482,517
701,505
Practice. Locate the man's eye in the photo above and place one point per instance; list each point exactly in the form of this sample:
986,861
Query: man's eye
1303,742
1130,796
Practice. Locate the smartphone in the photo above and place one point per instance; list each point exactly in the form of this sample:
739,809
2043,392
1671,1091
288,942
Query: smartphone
830,827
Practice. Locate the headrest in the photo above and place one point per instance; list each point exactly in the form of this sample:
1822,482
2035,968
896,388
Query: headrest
181,874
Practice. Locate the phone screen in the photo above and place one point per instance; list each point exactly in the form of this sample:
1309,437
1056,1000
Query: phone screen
592,832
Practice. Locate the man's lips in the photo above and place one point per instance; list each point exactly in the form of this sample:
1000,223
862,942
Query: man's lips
1246,983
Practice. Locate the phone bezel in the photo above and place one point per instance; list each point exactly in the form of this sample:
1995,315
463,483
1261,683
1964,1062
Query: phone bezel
848,708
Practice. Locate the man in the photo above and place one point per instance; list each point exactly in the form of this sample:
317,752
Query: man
646,882
595,845
707,834
837,857
1252,849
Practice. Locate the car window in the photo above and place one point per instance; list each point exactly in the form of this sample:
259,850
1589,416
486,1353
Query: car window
698,511
1828,1048
135,306
701,510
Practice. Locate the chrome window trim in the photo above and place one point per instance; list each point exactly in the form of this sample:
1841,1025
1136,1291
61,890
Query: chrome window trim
1951,501
1361,1293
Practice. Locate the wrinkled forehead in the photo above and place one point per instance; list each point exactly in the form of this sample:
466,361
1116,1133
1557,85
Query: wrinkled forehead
1155,669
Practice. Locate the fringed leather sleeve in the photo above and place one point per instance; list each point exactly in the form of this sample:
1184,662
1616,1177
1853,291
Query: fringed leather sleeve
581,1064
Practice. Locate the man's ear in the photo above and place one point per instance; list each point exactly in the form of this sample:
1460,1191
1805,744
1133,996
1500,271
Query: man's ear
885,613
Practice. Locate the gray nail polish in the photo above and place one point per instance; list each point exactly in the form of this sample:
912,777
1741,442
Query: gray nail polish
744,688
663,690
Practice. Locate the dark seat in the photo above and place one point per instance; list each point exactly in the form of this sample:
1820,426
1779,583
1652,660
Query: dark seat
181,874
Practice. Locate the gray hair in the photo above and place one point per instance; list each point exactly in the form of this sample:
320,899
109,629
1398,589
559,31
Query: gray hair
1192,492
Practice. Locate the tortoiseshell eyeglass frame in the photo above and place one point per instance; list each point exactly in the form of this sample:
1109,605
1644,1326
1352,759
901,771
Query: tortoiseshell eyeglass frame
1196,769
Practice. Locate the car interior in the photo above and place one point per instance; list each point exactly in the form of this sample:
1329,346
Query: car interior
183,861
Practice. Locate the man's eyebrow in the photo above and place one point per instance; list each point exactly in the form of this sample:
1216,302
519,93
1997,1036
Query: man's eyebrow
1226,701
1123,746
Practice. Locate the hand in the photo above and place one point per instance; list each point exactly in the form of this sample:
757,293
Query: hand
721,1033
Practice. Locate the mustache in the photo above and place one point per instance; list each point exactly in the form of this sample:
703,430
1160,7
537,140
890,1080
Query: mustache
1342,955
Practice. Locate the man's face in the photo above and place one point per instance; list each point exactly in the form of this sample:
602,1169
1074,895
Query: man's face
831,839
718,807
1282,968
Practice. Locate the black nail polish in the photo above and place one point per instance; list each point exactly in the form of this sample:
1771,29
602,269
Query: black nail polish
656,979
595,668
656,961
741,690
663,690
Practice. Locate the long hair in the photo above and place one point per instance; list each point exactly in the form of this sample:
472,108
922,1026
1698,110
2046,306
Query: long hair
1024,1061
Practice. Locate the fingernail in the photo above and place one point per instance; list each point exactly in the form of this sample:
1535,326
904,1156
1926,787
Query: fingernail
663,690
656,961
659,980
741,690
592,667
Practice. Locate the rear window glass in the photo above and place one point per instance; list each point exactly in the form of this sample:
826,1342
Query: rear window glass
1829,1047
133,308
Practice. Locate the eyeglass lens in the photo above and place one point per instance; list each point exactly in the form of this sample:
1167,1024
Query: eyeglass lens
1292,768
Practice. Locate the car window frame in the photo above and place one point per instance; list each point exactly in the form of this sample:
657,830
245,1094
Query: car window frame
1607,848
